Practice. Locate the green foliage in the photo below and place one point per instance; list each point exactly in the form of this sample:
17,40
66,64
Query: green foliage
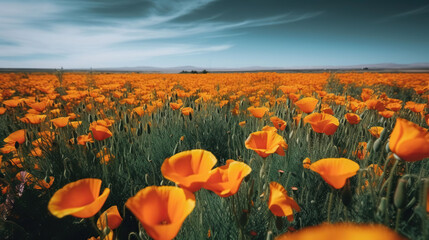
140,144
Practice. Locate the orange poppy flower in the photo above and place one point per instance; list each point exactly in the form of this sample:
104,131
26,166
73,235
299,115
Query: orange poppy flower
12,102
322,123
265,143
2,110
33,118
17,136
386,113
80,199
242,123
100,132
39,106
175,106
60,122
335,171
75,124
225,180
307,104
294,97
409,141
258,112
42,184
394,106
278,123
187,111
375,131
306,163
279,203
288,89
109,236
415,107
346,231
189,169
162,210
352,118
112,216
375,104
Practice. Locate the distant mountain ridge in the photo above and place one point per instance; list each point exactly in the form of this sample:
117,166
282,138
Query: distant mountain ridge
423,67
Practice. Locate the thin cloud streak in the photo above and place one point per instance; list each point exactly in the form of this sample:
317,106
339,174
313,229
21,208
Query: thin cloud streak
32,28
414,12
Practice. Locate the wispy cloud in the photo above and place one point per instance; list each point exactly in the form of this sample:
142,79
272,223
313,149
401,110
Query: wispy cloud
29,28
413,12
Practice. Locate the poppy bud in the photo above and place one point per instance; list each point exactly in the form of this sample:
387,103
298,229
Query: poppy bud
382,206
377,145
400,198
387,147
383,134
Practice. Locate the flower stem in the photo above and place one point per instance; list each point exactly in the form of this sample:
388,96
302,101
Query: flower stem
331,197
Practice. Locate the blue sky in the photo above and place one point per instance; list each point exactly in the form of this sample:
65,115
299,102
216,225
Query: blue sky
211,33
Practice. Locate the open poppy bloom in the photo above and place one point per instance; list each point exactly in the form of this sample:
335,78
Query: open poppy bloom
39,106
189,169
265,143
175,106
279,203
12,102
345,231
352,118
60,122
80,199
258,112
100,132
113,217
386,113
33,118
307,104
225,180
17,136
335,171
409,141
162,210
278,123
322,123
187,111
375,131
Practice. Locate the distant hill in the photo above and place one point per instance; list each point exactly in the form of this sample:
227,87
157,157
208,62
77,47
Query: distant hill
383,67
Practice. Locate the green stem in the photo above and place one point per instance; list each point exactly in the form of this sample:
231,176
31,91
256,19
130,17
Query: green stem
389,190
331,197
398,216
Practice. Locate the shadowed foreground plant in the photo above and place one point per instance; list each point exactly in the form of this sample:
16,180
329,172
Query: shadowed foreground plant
343,231
162,210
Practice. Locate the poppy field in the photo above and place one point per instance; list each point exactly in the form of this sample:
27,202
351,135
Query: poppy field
214,156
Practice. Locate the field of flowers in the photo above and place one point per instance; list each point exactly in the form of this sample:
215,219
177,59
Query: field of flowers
214,156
